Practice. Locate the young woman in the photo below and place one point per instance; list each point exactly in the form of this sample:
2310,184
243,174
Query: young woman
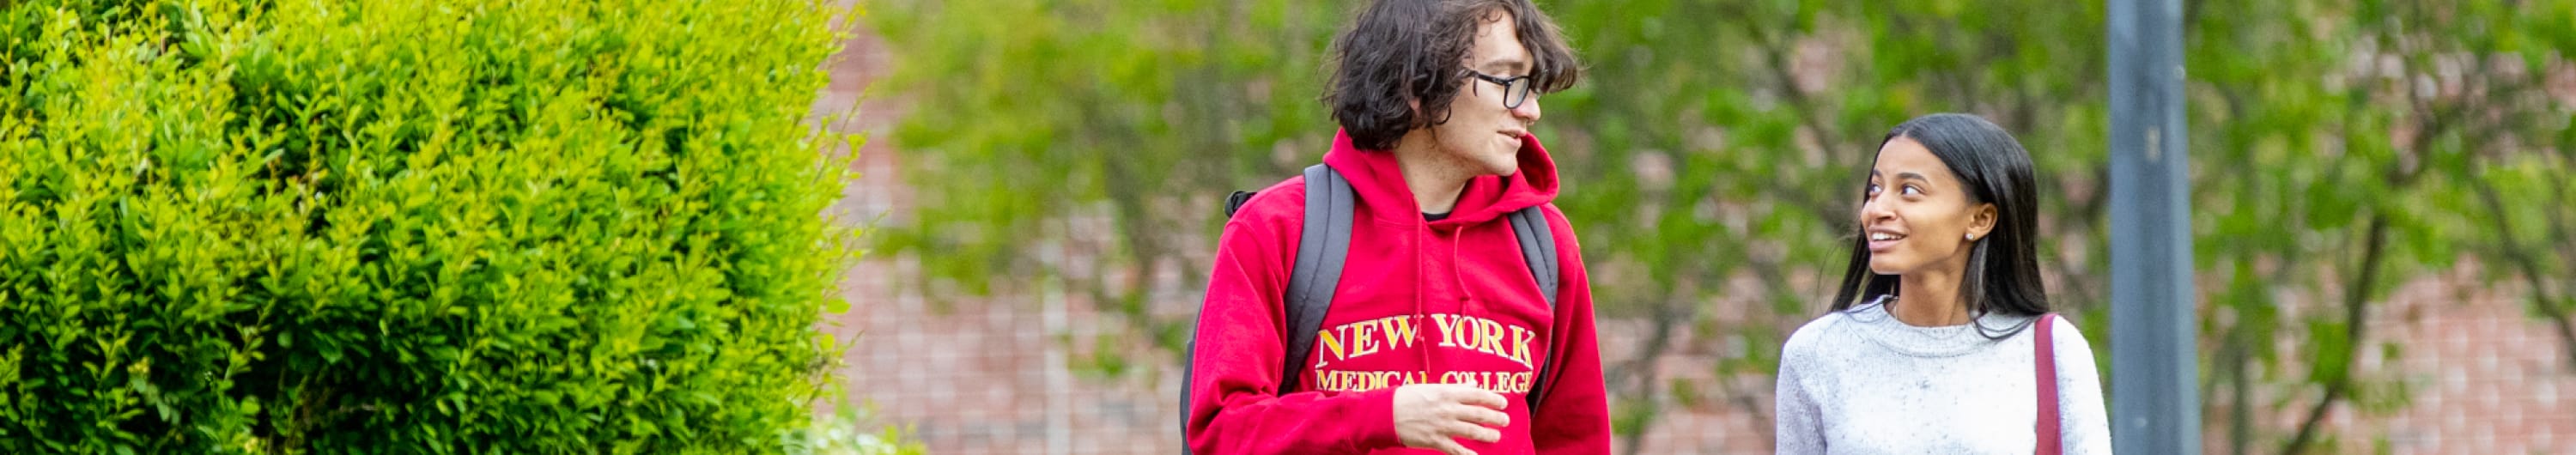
1931,344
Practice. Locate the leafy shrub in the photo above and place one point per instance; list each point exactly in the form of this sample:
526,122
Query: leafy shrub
334,226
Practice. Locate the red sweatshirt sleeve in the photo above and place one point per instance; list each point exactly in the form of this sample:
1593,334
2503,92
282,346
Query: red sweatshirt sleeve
1234,404
1574,417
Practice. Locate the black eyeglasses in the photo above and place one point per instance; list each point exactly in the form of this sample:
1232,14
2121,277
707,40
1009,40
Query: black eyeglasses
1516,89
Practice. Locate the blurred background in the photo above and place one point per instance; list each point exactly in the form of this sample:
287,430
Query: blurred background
2383,233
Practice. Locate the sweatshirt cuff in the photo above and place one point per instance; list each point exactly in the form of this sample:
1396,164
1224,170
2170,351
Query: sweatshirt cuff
1375,415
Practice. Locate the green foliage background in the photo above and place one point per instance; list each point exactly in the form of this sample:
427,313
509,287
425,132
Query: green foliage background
2339,148
551,226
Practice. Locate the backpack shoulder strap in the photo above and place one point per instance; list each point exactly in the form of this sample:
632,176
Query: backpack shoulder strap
2050,441
1538,250
1234,202
1321,250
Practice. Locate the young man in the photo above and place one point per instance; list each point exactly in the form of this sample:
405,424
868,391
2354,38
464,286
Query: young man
1437,336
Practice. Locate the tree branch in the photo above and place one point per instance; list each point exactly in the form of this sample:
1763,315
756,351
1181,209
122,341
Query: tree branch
2240,417
2541,297
2356,300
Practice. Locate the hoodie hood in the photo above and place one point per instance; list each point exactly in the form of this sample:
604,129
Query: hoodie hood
1375,176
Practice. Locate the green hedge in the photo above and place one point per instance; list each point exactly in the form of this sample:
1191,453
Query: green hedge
453,226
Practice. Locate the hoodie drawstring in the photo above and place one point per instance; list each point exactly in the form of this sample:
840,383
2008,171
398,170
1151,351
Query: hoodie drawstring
1457,281
1421,342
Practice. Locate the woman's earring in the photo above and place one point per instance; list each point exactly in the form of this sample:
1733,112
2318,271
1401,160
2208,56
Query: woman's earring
1972,237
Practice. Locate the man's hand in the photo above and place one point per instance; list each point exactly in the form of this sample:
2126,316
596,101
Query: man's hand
1432,416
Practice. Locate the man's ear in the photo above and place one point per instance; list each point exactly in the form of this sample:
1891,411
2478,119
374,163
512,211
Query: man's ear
1420,118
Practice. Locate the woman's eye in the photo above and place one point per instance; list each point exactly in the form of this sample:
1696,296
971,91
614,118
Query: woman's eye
1872,190
1910,189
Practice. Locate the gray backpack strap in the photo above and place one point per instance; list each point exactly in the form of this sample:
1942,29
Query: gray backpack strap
1538,250
1321,251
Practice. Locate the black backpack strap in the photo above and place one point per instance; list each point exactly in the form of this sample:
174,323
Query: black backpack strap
1321,250
1538,250
1235,202
1188,362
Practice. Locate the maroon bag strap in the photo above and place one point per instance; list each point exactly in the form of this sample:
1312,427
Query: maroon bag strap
2050,442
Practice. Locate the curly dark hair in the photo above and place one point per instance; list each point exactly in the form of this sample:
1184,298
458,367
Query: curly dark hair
1402,51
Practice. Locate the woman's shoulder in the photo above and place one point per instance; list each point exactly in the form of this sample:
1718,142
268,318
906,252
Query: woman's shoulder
2060,325
1832,324
1808,337
2064,335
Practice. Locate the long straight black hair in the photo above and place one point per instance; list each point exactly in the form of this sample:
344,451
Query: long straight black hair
2003,268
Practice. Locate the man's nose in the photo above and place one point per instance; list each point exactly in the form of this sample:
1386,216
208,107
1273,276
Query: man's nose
1528,110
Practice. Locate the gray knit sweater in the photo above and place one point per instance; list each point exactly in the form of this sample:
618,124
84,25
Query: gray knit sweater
1862,382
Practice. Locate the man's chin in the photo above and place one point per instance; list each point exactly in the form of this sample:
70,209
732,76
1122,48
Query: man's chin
1507,163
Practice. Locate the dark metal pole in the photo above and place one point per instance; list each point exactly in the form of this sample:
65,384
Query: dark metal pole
2155,399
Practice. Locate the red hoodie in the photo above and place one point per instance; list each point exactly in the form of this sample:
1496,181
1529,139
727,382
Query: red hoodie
1447,301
